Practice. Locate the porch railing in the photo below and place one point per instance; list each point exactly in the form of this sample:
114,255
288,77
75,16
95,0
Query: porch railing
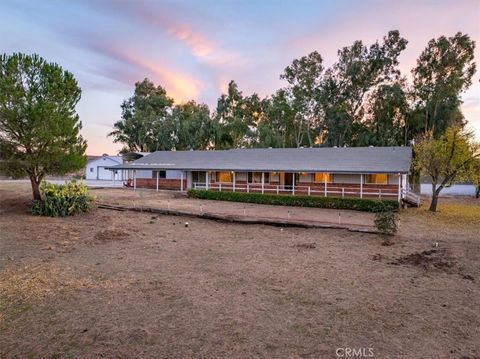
300,190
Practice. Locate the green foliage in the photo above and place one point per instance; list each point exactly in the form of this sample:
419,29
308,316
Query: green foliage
192,126
62,200
450,157
345,85
444,70
145,125
39,128
366,205
386,222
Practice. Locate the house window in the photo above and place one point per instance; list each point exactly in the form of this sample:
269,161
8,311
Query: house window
256,177
161,174
224,177
91,169
323,177
377,178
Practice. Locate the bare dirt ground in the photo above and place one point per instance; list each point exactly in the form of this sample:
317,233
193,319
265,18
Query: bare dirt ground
177,201
127,284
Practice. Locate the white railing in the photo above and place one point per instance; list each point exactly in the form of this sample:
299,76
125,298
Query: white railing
336,191
410,196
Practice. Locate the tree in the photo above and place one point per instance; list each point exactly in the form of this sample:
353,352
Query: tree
444,70
476,177
145,125
236,119
446,159
386,118
192,126
304,79
39,127
358,71
276,127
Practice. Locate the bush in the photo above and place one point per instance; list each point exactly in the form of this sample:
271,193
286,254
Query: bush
366,205
62,200
386,222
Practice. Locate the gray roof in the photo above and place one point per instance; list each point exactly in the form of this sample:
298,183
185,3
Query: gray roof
323,159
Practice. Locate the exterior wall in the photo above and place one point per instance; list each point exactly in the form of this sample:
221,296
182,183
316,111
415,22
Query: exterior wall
455,190
96,169
163,183
173,174
346,178
144,174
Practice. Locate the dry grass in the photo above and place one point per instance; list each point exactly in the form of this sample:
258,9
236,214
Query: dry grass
122,284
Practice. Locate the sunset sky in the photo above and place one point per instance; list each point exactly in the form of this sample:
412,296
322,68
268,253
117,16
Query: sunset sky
194,48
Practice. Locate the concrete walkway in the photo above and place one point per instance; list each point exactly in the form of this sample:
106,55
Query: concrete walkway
175,202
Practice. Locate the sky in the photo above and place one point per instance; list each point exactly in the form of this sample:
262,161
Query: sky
194,48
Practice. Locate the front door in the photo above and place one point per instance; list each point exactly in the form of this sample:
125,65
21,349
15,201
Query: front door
288,180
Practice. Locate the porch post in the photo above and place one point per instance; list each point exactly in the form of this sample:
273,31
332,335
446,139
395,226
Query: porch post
181,181
399,188
234,179
361,186
293,184
206,180
134,179
157,179
263,182
325,186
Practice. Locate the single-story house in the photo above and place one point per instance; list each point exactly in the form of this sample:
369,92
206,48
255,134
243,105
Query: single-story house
96,168
364,172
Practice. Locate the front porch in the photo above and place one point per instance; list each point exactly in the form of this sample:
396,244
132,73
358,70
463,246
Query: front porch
343,185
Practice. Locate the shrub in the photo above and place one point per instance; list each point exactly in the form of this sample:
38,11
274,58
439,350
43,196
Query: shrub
62,200
386,222
366,205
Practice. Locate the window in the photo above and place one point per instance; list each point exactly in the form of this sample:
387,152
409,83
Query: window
224,177
377,178
91,169
199,177
161,174
256,177
322,177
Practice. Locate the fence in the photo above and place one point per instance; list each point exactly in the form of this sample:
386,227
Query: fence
333,191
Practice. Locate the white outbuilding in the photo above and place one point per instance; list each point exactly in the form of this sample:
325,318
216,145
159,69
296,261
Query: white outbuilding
96,168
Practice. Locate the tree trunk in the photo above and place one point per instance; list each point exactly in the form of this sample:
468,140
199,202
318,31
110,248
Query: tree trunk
433,204
477,193
35,188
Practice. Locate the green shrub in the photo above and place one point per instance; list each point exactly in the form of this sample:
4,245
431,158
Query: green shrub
386,222
62,200
366,205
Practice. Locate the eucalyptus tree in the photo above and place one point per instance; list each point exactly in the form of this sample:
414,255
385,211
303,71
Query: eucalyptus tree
386,118
39,126
192,125
444,70
145,124
304,78
358,71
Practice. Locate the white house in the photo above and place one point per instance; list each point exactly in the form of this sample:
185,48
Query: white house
96,168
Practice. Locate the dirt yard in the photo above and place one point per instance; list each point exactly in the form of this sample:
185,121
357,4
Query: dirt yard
126,284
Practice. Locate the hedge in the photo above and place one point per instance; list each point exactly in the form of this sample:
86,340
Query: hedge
357,204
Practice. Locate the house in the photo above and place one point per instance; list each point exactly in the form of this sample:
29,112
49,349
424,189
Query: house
363,172
96,167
